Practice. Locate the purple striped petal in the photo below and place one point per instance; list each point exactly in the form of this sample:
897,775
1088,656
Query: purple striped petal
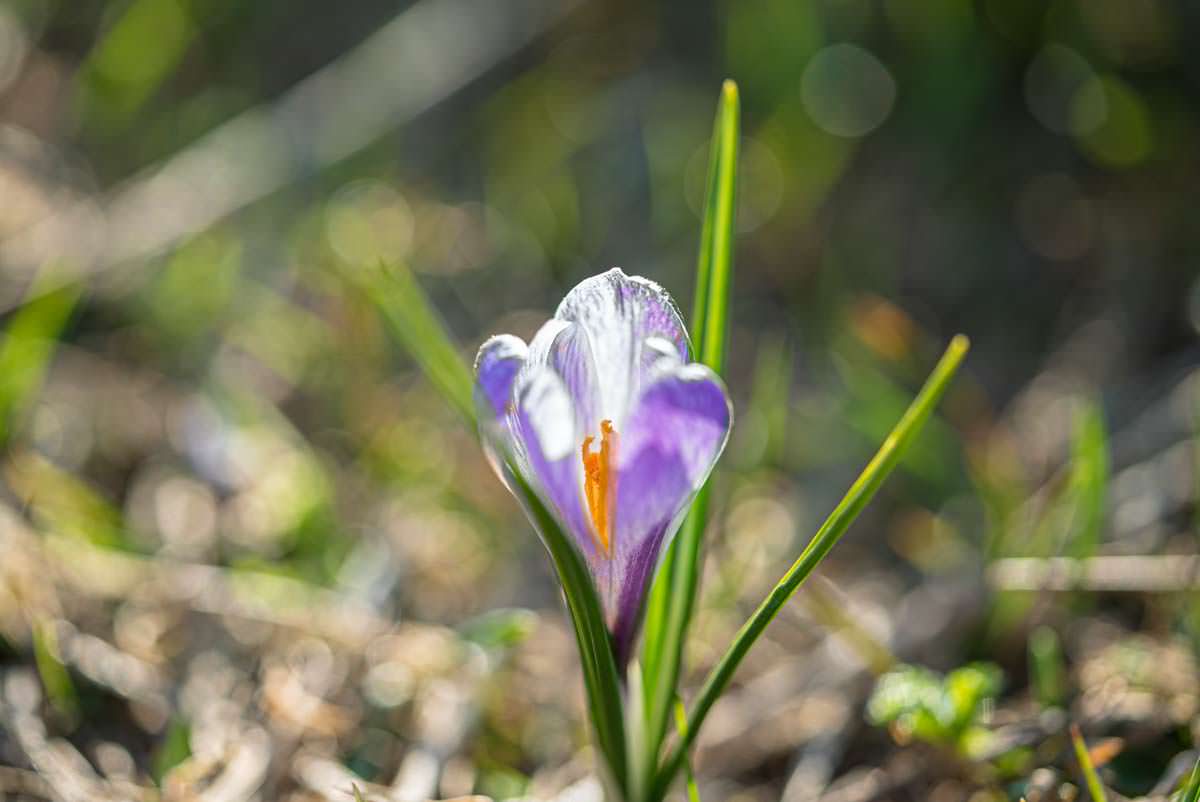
565,348
612,359
616,314
671,441
528,412
544,443
496,367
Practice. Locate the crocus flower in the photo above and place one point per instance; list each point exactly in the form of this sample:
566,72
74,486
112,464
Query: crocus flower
605,417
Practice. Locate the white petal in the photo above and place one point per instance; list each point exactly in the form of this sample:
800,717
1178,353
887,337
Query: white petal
619,316
544,397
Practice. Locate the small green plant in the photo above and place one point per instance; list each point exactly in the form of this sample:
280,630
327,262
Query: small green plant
918,704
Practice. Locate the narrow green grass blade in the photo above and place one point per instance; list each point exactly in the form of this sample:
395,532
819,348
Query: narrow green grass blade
420,331
693,792
30,341
673,594
601,677
859,495
395,291
1095,788
830,611
715,264
1046,663
640,775
1191,793
56,680
173,749
1088,481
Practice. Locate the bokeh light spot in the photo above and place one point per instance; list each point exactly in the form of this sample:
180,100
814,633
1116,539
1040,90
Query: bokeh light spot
367,222
1060,91
847,91
13,48
1126,137
1054,217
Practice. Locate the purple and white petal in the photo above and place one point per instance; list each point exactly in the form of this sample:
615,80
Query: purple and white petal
544,444
611,363
617,314
671,442
565,348
497,364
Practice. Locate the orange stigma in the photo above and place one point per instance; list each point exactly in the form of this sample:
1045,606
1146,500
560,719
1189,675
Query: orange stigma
599,482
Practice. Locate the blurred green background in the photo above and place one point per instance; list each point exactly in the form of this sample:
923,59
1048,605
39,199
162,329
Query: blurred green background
247,551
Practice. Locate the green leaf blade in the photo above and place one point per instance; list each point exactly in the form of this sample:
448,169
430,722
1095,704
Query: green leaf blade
853,503
420,331
1191,792
1090,777
673,594
27,349
601,677
1088,482
715,264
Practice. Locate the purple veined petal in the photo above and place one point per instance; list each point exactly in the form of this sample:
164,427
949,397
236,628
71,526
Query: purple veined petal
611,363
528,412
544,441
617,314
564,347
497,364
671,442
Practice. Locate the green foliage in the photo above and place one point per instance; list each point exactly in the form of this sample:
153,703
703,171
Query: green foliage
919,704
1090,777
418,328
1191,792
1087,485
30,341
63,503
427,341
175,748
693,793
499,782
600,672
499,629
137,54
1046,667
416,324
855,500
56,680
673,593
195,288
501,193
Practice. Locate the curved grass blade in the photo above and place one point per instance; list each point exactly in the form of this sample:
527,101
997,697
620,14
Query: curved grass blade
859,495
1095,788
1191,793
1088,482
1046,666
673,594
419,329
693,792
29,343
56,679
601,678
